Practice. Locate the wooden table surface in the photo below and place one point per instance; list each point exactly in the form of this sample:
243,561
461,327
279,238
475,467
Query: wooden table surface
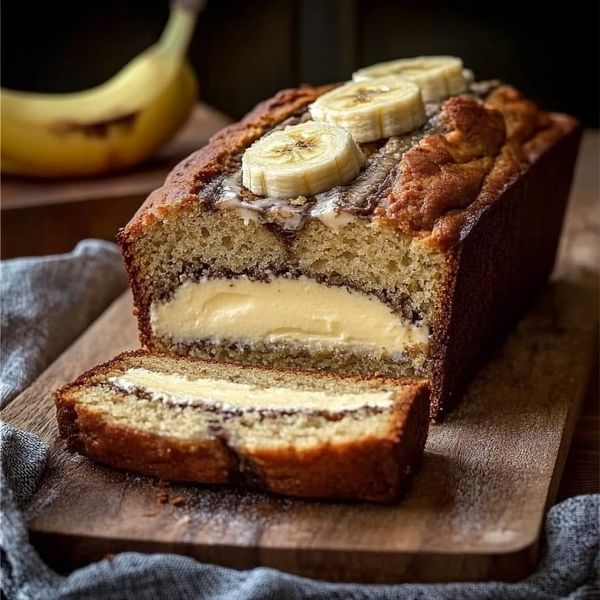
46,217
580,251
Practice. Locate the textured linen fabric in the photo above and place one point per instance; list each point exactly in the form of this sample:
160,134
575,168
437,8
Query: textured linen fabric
47,302
77,286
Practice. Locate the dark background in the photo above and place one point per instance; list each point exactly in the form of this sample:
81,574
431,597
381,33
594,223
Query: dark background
245,50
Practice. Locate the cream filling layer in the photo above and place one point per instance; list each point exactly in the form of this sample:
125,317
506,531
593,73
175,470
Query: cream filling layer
172,388
297,311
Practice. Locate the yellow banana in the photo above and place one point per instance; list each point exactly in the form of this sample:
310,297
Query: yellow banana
301,160
110,127
373,109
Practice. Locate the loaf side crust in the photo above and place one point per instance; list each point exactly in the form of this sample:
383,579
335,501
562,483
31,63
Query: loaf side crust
496,271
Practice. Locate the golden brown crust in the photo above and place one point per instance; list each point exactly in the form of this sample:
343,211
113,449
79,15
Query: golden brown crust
496,270
186,179
440,184
371,469
447,179
446,171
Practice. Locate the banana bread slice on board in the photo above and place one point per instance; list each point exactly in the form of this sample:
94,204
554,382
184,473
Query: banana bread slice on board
310,435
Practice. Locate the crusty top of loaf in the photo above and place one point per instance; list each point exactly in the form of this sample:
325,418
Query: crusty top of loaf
437,190
185,181
443,182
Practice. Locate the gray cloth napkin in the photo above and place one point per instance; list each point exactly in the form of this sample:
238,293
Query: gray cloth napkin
77,286
47,302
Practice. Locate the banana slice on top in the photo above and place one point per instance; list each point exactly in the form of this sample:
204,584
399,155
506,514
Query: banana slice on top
372,110
437,76
301,160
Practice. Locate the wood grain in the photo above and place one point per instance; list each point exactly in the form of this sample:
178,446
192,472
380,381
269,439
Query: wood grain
474,512
579,260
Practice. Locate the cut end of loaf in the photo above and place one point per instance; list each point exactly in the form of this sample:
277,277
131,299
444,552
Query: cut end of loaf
359,270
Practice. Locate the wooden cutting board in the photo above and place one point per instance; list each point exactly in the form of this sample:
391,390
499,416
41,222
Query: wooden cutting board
474,512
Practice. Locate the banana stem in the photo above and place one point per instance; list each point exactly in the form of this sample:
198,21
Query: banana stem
178,32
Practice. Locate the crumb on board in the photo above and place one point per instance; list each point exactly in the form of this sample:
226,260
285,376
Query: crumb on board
163,496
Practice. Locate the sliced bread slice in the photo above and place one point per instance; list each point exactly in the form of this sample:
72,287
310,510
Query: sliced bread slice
185,419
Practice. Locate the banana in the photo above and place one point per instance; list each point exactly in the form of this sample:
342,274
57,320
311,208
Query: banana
113,126
468,76
301,160
437,76
372,110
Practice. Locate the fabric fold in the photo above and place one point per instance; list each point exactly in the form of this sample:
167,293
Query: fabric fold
47,302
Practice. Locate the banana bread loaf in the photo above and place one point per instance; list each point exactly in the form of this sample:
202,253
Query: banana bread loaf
377,227
185,419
